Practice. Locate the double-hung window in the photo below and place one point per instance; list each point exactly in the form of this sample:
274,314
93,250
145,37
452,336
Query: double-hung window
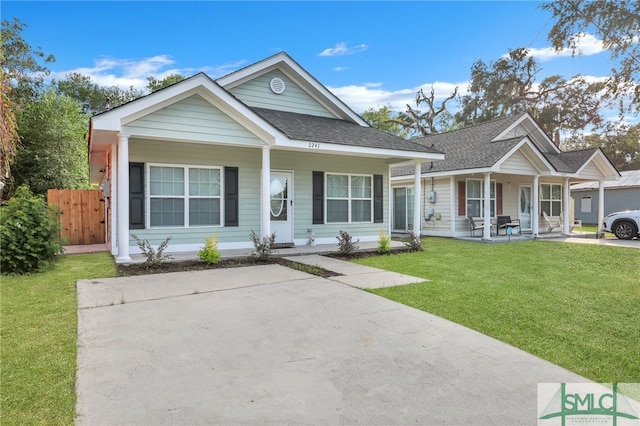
182,196
551,199
349,198
475,198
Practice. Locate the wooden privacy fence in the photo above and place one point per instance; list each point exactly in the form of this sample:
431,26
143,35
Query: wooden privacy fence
82,215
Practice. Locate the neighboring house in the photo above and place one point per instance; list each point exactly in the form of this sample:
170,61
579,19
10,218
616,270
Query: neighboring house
503,167
620,195
266,148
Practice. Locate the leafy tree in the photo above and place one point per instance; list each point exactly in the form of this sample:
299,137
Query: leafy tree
621,144
21,62
22,72
8,131
53,151
382,119
616,23
153,84
92,97
508,86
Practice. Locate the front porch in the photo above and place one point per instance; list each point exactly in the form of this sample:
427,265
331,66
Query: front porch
528,236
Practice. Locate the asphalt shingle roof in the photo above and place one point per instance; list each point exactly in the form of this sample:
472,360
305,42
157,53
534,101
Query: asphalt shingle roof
474,147
569,161
329,130
467,148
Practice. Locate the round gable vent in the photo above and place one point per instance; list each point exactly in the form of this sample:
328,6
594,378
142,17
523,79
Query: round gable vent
277,85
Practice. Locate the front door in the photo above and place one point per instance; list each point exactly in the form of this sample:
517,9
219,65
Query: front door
282,206
524,207
402,209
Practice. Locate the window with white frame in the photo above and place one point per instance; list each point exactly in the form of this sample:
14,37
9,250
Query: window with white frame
181,196
475,198
349,198
551,199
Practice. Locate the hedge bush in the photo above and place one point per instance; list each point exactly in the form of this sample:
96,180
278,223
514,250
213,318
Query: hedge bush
29,238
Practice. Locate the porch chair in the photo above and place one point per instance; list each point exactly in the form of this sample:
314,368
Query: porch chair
552,222
477,224
577,223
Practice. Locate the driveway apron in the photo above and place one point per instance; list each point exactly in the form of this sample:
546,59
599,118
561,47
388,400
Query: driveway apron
270,345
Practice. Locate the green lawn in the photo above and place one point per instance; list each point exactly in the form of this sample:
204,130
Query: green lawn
573,304
576,305
38,330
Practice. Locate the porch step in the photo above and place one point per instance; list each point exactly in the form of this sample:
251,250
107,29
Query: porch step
282,245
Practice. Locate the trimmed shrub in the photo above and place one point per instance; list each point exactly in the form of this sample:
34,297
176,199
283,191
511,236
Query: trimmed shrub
210,253
154,257
414,243
384,242
346,245
29,239
264,246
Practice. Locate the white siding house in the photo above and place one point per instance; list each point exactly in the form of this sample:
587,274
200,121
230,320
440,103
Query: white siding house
507,167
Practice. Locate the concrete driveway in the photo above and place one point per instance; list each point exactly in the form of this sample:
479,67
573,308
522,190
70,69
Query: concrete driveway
270,345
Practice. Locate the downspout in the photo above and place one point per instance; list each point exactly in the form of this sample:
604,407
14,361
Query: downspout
417,202
566,228
486,232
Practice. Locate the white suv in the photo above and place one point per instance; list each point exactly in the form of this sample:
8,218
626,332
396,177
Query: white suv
624,225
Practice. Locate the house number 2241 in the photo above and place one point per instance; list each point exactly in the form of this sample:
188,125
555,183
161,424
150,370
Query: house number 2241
314,145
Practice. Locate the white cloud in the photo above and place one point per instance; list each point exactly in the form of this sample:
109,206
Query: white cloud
368,95
340,69
342,49
125,73
587,45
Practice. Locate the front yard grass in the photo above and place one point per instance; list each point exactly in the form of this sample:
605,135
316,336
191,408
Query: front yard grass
38,329
576,305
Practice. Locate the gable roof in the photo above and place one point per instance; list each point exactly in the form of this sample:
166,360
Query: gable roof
287,65
472,147
348,134
486,145
312,128
570,161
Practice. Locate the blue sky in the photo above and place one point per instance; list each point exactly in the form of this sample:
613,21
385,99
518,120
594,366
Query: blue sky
369,53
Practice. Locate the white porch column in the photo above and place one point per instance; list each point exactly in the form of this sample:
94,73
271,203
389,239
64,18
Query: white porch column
123,199
600,208
535,206
265,193
566,201
452,204
486,232
113,220
417,202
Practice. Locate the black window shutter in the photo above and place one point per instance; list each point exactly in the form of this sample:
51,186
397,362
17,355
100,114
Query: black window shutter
136,195
318,197
378,206
231,196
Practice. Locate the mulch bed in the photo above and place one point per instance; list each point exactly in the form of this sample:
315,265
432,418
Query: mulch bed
199,265
236,262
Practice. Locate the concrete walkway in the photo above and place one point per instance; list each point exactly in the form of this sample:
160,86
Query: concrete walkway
272,345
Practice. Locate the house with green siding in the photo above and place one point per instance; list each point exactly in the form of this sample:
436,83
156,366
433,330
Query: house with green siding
267,148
